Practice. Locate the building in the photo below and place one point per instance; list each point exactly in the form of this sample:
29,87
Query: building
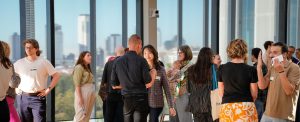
27,20
58,45
83,32
16,46
113,41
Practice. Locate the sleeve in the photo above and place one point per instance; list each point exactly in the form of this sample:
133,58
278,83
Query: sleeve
77,75
146,71
219,73
293,76
50,69
114,77
254,77
166,87
104,75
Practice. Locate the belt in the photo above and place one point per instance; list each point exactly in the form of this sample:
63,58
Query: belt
30,94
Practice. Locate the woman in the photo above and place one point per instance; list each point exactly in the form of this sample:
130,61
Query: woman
5,75
11,93
185,56
84,88
217,60
237,85
199,86
156,101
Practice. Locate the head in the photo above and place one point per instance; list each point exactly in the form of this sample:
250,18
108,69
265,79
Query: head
3,58
200,72
267,45
291,51
32,47
135,43
176,64
298,53
85,60
217,60
120,51
6,48
237,49
254,54
151,55
126,49
277,49
185,53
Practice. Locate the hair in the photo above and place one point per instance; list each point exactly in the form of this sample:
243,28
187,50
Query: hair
200,72
81,61
267,44
35,44
6,48
3,58
298,49
156,62
237,49
188,55
292,47
134,39
255,52
284,48
126,49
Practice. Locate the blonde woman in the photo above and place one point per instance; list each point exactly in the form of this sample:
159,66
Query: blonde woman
84,88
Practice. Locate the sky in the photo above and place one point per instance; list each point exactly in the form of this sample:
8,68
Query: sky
109,20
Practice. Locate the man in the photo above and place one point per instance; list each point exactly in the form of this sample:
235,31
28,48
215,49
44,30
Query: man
290,56
283,81
131,73
298,53
34,72
262,94
113,100
265,57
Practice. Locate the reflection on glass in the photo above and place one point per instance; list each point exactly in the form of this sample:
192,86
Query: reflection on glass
167,39
292,27
131,17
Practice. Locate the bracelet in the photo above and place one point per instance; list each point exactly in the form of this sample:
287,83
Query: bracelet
49,87
281,71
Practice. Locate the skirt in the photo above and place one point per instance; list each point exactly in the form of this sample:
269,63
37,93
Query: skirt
89,97
238,112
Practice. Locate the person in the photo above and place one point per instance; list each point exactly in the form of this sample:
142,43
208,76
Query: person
156,101
237,85
84,88
34,72
290,57
217,60
131,73
260,102
6,73
11,93
185,56
298,53
200,85
266,58
173,76
282,79
113,102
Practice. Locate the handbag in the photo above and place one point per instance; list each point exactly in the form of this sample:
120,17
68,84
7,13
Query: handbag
15,79
215,98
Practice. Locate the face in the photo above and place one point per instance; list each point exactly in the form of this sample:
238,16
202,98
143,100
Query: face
148,55
290,53
276,51
87,58
30,50
217,60
298,54
181,55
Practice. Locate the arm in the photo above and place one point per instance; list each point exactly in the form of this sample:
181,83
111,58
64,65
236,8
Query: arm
166,87
115,83
221,88
263,81
78,92
286,85
103,86
153,74
253,89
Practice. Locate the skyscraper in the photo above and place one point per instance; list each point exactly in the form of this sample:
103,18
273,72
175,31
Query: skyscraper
113,41
84,32
58,44
27,22
16,46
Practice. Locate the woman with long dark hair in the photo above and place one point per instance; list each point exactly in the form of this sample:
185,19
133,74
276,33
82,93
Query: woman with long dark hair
200,85
84,88
5,75
156,101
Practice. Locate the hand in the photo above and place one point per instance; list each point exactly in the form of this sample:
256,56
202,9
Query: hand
44,92
259,61
278,66
149,85
81,103
172,112
153,73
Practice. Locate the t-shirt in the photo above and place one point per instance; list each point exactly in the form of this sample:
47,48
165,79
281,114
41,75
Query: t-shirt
237,78
5,75
280,105
33,74
81,76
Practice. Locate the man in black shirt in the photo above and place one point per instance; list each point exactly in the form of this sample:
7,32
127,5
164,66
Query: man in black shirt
131,73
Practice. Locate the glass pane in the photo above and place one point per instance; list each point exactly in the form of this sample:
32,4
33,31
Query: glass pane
131,17
292,26
71,37
109,36
10,24
192,25
40,25
167,38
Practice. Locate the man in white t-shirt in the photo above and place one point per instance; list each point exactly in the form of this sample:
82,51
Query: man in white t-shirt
34,72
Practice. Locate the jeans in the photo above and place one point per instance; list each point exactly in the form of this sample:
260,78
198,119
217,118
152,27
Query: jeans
154,114
32,108
114,108
260,108
4,111
136,108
